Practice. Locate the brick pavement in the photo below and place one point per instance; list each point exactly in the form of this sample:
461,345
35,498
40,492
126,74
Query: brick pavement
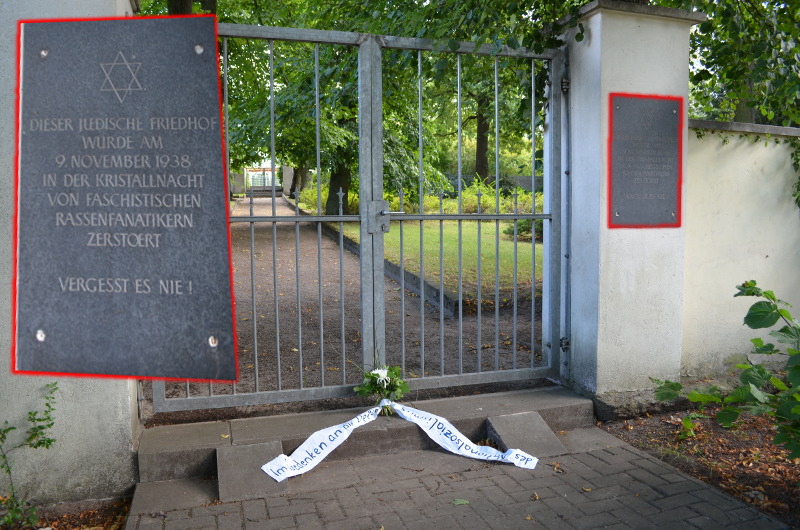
614,487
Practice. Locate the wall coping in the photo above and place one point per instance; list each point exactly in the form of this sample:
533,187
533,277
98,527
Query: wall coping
692,17
750,128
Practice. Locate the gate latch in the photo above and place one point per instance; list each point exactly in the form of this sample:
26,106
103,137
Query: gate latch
376,220
378,217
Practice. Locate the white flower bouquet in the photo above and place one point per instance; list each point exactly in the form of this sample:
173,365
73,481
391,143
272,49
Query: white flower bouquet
386,383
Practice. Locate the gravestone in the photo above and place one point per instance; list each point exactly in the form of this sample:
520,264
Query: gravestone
122,247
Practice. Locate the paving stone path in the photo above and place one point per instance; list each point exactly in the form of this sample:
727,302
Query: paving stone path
614,487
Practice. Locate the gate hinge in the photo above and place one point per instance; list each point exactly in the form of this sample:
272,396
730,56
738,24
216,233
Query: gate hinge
564,343
565,85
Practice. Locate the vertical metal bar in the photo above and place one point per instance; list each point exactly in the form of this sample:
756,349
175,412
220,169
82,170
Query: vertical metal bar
370,165
460,228
343,345
321,314
533,210
422,211
159,395
566,273
441,286
317,121
402,288
479,337
225,117
497,221
551,239
514,294
272,120
276,315
298,301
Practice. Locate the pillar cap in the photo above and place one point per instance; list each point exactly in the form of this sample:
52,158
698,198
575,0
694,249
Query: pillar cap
691,17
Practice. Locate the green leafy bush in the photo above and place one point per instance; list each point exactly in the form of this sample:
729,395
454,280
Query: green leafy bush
527,229
307,198
761,391
14,511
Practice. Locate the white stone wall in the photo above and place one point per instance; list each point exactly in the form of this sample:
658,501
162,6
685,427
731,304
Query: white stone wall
95,418
741,224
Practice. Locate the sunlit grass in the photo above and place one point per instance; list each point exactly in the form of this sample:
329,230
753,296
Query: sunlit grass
444,239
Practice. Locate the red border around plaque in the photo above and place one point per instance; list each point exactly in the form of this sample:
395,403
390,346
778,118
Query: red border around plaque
609,154
16,198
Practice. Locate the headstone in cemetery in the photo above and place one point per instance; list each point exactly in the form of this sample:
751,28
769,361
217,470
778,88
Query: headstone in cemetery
122,246
645,161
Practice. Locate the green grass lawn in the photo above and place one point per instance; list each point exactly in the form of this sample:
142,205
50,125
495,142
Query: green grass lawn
449,237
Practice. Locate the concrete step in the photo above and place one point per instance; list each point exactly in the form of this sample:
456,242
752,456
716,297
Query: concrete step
166,495
195,450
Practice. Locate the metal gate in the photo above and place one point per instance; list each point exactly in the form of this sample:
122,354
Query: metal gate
427,301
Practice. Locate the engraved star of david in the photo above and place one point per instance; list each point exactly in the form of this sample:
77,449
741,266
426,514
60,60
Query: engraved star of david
121,77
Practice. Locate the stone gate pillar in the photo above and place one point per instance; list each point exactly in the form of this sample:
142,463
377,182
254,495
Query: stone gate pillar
626,257
96,420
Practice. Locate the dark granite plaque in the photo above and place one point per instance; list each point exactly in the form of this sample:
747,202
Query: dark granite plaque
645,161
123,248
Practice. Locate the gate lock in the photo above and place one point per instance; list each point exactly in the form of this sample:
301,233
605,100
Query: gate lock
378,216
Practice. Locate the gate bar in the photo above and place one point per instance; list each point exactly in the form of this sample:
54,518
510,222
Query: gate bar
370,167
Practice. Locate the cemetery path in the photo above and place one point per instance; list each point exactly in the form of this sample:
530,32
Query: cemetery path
298,303
300,309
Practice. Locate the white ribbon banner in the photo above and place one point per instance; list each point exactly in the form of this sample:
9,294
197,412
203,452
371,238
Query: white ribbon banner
320,444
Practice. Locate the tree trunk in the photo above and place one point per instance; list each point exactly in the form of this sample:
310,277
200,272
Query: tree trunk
299,179
184,7
482,140
179,7
340,179
744,113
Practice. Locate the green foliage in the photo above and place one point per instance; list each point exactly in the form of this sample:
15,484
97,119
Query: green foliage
307,198
667,390
761,391
15,511
386,383
746,55
745,65
688,425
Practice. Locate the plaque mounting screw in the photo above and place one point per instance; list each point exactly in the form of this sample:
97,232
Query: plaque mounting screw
616,213
198,49
213,341
40,335
43,54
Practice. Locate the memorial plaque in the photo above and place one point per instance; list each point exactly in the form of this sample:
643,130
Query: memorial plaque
122,247
645,161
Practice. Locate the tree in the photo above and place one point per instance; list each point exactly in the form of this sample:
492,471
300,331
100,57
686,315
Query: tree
746,56
746,60
449,22
185,7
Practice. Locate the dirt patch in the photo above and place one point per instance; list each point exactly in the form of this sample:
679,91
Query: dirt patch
109,515
741,461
